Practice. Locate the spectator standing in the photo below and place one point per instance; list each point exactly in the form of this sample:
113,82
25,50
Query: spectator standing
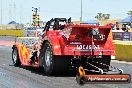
128,27
117,26
123,27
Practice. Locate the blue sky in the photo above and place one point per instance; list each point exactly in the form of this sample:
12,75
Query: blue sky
22,10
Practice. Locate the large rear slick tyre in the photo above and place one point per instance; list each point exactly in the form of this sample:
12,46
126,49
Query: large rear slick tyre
15,57
52,64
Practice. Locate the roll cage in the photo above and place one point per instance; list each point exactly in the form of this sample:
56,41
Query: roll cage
56,24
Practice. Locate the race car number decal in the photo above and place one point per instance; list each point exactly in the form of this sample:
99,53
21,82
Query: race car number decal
87,47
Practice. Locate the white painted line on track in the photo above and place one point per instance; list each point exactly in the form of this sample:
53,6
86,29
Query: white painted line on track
121,62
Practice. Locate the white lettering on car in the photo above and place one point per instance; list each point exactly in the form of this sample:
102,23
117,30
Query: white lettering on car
86,47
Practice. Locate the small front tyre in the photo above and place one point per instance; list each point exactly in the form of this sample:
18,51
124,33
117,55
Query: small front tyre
15,57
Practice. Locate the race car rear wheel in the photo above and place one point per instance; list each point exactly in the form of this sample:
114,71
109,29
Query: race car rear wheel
15,57
53,64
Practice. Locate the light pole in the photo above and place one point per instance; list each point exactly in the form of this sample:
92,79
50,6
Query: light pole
1,11
81,11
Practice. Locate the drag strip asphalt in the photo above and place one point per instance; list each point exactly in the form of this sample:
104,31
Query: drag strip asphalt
25,77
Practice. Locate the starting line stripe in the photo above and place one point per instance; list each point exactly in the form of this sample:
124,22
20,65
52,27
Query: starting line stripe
6,43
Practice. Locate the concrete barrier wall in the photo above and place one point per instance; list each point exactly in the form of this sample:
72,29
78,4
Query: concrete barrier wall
19,33
11,26
123,51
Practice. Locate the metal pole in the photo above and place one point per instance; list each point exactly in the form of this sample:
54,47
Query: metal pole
1,11
14,11
81,11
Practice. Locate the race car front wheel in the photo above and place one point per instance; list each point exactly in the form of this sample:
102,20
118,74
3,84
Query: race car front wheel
15,57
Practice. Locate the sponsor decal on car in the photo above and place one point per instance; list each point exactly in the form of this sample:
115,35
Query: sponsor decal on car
87,47
75,43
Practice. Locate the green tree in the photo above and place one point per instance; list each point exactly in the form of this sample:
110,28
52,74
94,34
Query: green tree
106,16
101,16
129,13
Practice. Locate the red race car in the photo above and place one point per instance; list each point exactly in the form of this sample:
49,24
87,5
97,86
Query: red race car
64,45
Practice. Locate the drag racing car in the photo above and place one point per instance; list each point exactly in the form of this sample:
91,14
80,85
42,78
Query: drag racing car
64,45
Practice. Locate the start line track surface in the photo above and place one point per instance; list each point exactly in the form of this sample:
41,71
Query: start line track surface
6,43
7,40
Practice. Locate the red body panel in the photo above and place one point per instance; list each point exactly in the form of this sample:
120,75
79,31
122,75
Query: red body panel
68,46
24,54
